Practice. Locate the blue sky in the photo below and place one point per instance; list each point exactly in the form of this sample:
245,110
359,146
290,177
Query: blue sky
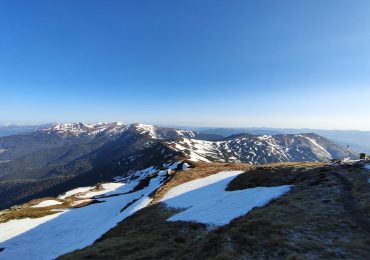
197,62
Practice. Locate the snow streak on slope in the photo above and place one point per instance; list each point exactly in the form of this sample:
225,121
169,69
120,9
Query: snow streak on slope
51,236
206,200
320,151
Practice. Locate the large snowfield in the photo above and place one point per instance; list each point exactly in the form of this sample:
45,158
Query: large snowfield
206,200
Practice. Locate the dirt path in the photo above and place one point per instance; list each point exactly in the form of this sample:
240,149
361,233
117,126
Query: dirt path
349,202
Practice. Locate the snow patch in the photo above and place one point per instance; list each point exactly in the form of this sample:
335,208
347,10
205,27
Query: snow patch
206,200
5,161
106,189
185,166
75,191
78,202
47,203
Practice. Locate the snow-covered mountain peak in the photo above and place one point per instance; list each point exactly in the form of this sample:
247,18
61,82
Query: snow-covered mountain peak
145,129
158,132
69,127
78,129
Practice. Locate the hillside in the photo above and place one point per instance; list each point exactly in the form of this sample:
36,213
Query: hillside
325,215
201,210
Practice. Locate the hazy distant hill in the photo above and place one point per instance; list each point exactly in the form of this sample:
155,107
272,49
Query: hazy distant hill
12,129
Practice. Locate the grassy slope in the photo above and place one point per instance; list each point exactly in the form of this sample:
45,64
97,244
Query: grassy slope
326,215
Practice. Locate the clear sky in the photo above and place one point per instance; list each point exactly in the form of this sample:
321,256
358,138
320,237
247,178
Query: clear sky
278,63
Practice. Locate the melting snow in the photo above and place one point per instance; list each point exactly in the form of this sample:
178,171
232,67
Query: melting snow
5,161
185,166
75,191
106,189
206,200
47,203
54,235
78,202
198,149
172,166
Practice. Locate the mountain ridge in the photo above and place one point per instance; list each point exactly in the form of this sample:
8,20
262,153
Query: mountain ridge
72,155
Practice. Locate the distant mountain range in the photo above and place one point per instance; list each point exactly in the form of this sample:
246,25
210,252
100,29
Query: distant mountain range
51,160
13,129
357,140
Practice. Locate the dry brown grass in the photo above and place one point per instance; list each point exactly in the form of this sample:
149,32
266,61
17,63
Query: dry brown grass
275,175
25,213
